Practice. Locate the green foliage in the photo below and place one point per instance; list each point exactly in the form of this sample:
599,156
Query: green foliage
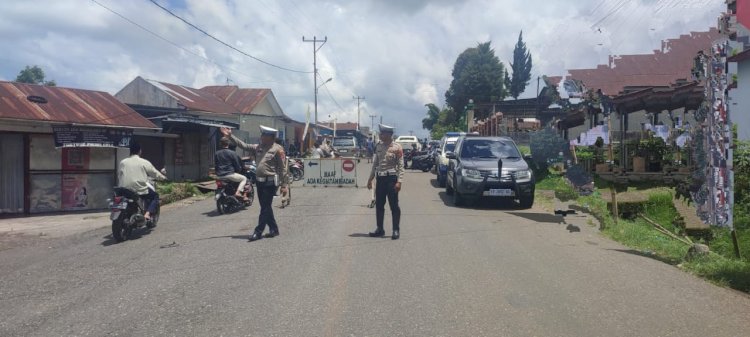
440,121
546,145
555,182
584,153
722,271
34,75
477,74
170,192
521,68
721,243
433,115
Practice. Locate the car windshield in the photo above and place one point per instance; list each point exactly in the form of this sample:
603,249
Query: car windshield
489,149
450,147
343,142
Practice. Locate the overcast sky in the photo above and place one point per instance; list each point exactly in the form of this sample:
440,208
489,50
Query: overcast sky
397,53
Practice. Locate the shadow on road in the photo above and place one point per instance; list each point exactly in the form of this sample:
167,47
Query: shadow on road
649,255
135,235
540,217
236,237
366,235
482,203
434,183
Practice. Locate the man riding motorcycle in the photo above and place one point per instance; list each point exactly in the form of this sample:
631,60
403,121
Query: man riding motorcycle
228,166
134,173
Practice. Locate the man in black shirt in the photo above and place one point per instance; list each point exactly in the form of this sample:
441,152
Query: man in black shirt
228,166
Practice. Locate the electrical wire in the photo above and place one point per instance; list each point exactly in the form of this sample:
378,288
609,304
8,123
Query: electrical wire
223,67
227,44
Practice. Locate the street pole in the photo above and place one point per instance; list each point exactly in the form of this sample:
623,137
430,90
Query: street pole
315,73
359,99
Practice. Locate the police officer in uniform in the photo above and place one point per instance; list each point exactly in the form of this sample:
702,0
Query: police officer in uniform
271,173
388,168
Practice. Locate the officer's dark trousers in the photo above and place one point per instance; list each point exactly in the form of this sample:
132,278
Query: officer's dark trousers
386,187
265,197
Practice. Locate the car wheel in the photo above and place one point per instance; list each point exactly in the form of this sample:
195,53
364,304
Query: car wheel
527,201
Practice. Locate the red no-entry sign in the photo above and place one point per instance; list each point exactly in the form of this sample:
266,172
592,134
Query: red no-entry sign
348,165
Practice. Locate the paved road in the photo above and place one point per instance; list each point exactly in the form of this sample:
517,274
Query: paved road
491,271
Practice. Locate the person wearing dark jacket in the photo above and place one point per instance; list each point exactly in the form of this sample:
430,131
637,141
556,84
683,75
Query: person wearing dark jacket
228,166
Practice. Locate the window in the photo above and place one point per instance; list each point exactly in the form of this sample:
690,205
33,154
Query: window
489,149
337,142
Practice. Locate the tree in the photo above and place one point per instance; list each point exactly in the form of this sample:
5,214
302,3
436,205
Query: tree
479,75
34,75
433,115
521,68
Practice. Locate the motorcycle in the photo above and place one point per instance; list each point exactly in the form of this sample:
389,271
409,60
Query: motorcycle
423,162
226,201
127,213
296,169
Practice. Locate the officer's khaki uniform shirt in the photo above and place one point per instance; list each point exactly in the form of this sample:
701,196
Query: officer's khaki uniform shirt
388,159
271,160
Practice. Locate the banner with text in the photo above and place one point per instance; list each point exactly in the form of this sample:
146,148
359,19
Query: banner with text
335,172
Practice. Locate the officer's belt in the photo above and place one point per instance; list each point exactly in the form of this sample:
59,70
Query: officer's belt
263,179
386,173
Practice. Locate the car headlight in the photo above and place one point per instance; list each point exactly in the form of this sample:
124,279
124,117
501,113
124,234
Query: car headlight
523,175
469,173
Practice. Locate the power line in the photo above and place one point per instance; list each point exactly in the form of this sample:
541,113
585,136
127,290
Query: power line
224,43
223,67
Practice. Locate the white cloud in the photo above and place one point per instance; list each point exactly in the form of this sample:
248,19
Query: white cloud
399,54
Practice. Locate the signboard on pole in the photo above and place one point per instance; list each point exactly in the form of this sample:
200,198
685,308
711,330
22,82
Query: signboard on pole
331,172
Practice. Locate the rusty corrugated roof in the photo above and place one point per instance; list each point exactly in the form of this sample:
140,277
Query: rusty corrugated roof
67,105
195,99
243,99
662,68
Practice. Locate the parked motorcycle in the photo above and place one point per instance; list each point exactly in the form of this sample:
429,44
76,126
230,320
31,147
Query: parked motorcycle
296,169
423,162
127,213
226,201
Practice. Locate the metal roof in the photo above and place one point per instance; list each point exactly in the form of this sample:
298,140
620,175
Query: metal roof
243,99
195,99
66,105
662,68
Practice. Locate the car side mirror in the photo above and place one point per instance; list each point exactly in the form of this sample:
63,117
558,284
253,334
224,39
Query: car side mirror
450,155
527,157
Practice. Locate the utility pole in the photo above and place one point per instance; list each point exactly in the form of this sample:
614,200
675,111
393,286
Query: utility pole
359,99
315,72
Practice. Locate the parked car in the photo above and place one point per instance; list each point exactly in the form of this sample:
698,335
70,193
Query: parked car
489,167
406,142
346,146
447,144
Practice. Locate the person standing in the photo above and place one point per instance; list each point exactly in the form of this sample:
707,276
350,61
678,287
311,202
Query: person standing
270,174
388,168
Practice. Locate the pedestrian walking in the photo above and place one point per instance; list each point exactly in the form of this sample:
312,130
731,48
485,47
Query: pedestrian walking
270,174
388,168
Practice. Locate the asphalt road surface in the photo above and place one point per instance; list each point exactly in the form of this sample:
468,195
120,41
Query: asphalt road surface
484,271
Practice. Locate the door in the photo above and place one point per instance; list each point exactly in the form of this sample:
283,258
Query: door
11,173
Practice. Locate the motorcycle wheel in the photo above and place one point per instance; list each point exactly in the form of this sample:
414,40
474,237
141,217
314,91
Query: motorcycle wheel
250,195
221,207
425,169
297,175
154,218
120,230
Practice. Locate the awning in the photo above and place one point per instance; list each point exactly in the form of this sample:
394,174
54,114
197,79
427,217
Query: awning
200,121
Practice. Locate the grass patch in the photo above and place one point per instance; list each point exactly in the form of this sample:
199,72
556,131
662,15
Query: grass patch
719,267
170,192
556,182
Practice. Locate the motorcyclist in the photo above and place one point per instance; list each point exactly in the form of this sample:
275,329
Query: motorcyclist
228,166
133,174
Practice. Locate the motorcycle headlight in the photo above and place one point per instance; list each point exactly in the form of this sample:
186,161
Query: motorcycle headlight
471,173
523,175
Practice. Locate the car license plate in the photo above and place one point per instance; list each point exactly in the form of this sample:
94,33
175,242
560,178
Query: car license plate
499,193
